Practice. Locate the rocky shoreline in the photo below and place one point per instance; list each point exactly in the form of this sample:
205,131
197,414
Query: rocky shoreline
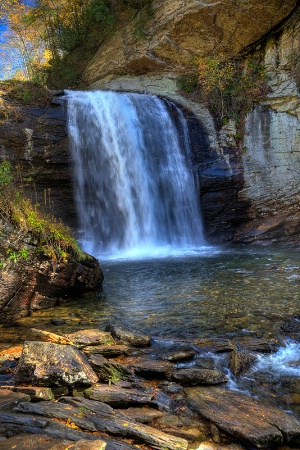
119,389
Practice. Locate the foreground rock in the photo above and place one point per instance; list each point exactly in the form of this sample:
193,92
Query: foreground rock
96,416
255,422
48,364
59,401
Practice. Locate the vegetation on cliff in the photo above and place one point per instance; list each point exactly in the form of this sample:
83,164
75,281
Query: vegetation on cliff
49,236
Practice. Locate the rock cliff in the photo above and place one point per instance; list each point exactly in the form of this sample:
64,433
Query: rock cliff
249,183
249,188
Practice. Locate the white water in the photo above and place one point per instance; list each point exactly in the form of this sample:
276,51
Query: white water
135,191
286,361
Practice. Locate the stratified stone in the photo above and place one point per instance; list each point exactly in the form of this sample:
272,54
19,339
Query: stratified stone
9,399
194,377
178,30
134,338
255,422
118,397
35,393
48,364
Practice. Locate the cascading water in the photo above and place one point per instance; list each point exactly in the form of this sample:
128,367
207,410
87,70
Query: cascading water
135,190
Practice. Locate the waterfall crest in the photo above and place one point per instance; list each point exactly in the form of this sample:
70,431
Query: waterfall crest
135,190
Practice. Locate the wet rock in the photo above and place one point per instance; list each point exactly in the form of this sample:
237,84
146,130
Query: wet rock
141,415
291,325
133,338
215,345
255,422
257,345
9,399
117,396
47,364
194,377
240,361
181,355
85,338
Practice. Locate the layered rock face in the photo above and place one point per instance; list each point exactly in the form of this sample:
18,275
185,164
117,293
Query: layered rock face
249,190
35,140
271,150
165,36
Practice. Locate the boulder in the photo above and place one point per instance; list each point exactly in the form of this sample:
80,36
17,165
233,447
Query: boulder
48,364
254,422
85,338
133,338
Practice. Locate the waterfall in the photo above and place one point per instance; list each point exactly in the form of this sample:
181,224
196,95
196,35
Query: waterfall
135,190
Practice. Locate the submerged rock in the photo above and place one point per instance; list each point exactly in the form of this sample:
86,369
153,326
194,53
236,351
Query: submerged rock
194,377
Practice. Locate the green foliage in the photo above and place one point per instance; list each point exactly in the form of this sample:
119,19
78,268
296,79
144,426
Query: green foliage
52,237
27,93
229,86
15,256
5,174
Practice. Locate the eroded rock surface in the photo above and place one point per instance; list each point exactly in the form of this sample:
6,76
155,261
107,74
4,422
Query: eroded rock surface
253,421
48,364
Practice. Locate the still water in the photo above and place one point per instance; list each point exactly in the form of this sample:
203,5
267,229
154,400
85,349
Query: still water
215,292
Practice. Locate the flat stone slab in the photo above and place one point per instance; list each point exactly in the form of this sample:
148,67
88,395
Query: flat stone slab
9,399
92,416
117,396
35,393
255,422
